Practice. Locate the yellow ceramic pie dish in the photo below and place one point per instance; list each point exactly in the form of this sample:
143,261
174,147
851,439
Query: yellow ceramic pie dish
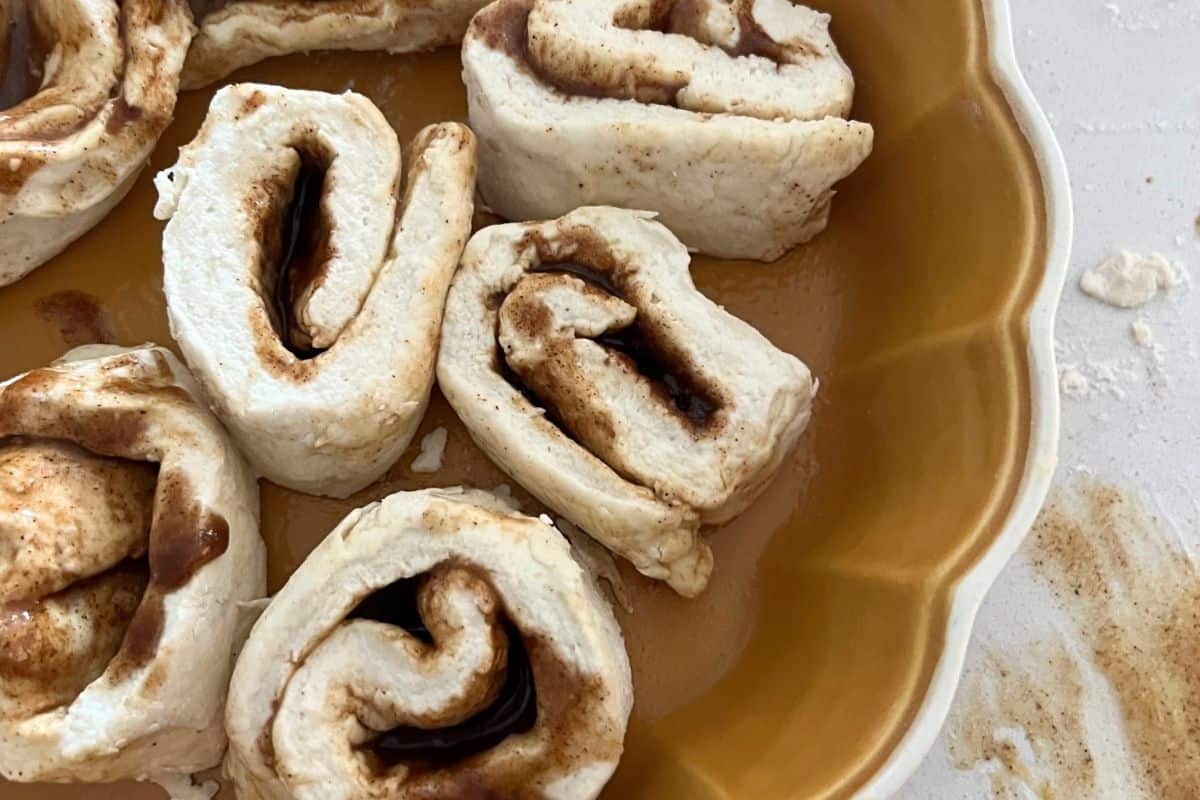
823,657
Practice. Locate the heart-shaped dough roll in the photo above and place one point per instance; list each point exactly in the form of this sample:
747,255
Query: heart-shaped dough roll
241,32
584,361
435,644
724,116
129,552
306,302
88,88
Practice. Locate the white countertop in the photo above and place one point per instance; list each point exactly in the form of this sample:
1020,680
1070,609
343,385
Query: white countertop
1044,704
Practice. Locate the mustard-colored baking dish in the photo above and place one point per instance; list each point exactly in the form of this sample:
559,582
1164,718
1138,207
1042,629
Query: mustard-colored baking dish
824,655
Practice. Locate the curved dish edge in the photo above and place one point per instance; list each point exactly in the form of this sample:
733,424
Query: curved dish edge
1042,457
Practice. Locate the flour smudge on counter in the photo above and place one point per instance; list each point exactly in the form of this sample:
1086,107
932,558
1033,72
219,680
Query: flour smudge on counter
1128,280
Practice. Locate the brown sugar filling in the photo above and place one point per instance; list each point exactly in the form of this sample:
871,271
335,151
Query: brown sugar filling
59,630
513,711
202,8
185,537
644,351
296,249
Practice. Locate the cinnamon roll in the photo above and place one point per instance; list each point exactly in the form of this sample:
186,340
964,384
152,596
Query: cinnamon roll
435,644
583,360
239,33
129,548
304,298
88,86
724,116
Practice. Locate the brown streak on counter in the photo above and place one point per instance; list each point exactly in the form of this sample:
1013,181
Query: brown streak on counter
1133,601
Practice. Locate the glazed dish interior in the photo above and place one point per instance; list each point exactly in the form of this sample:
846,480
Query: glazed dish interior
798,670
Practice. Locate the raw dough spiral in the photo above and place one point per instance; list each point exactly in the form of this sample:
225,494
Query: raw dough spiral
662,411
129,549
724,116
435,644
91,85
305,299
239,33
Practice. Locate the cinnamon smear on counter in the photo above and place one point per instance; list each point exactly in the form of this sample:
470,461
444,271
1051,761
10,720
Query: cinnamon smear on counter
1136,599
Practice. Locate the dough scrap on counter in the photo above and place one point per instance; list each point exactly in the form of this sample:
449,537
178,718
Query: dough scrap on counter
1128,280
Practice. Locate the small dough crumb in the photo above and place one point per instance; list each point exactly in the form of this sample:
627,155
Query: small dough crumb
503,492
1143,334
433,448
1074,383
1128,280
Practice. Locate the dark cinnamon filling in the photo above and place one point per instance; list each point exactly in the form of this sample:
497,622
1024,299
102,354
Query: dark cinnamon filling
303,251
23,53
513,711
635,344
584,273
754,41
645,352
202,8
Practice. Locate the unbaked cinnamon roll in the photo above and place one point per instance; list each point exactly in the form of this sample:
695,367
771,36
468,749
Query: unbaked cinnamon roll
88,86
241,32
435,644
583,360
724,116
129,549
305,298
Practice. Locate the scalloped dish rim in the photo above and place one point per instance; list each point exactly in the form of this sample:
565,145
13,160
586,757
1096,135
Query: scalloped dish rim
971,589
